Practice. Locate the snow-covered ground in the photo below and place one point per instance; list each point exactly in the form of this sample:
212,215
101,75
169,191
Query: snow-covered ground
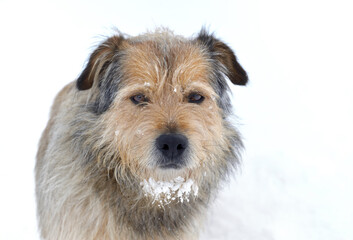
296,115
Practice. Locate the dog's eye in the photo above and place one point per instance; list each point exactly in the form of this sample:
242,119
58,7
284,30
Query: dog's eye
139,99
195,98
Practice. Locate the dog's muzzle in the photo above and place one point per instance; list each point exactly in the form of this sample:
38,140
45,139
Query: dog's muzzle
172,147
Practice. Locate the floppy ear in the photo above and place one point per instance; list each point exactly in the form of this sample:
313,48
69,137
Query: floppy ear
98,62
222,53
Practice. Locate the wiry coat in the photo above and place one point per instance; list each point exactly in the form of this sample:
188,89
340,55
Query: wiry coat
98,146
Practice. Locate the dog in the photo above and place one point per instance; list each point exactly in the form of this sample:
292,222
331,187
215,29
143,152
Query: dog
138,145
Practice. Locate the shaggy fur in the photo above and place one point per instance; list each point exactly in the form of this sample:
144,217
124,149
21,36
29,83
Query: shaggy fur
99,146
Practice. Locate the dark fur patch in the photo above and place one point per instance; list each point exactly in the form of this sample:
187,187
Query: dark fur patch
109,85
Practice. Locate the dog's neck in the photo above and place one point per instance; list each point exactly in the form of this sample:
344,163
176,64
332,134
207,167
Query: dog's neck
135,210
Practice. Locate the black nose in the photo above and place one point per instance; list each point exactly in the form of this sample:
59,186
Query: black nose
172,146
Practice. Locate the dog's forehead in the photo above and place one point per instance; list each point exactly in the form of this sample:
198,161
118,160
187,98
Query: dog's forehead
166,61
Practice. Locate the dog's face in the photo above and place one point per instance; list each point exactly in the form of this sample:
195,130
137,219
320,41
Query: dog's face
162,103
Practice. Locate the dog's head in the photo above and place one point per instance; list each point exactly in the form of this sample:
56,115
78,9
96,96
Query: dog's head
161,104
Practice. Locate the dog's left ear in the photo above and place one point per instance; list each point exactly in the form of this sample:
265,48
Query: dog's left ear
222,53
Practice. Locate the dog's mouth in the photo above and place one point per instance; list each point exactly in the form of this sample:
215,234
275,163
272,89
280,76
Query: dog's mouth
171,166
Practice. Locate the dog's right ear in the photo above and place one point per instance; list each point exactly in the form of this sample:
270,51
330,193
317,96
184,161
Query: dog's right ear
99,61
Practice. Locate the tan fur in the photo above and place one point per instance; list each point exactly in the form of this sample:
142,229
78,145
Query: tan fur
86,161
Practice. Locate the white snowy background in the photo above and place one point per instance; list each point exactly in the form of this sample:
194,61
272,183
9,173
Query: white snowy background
296,114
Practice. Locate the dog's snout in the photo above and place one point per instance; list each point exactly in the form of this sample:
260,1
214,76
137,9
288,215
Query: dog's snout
172,146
